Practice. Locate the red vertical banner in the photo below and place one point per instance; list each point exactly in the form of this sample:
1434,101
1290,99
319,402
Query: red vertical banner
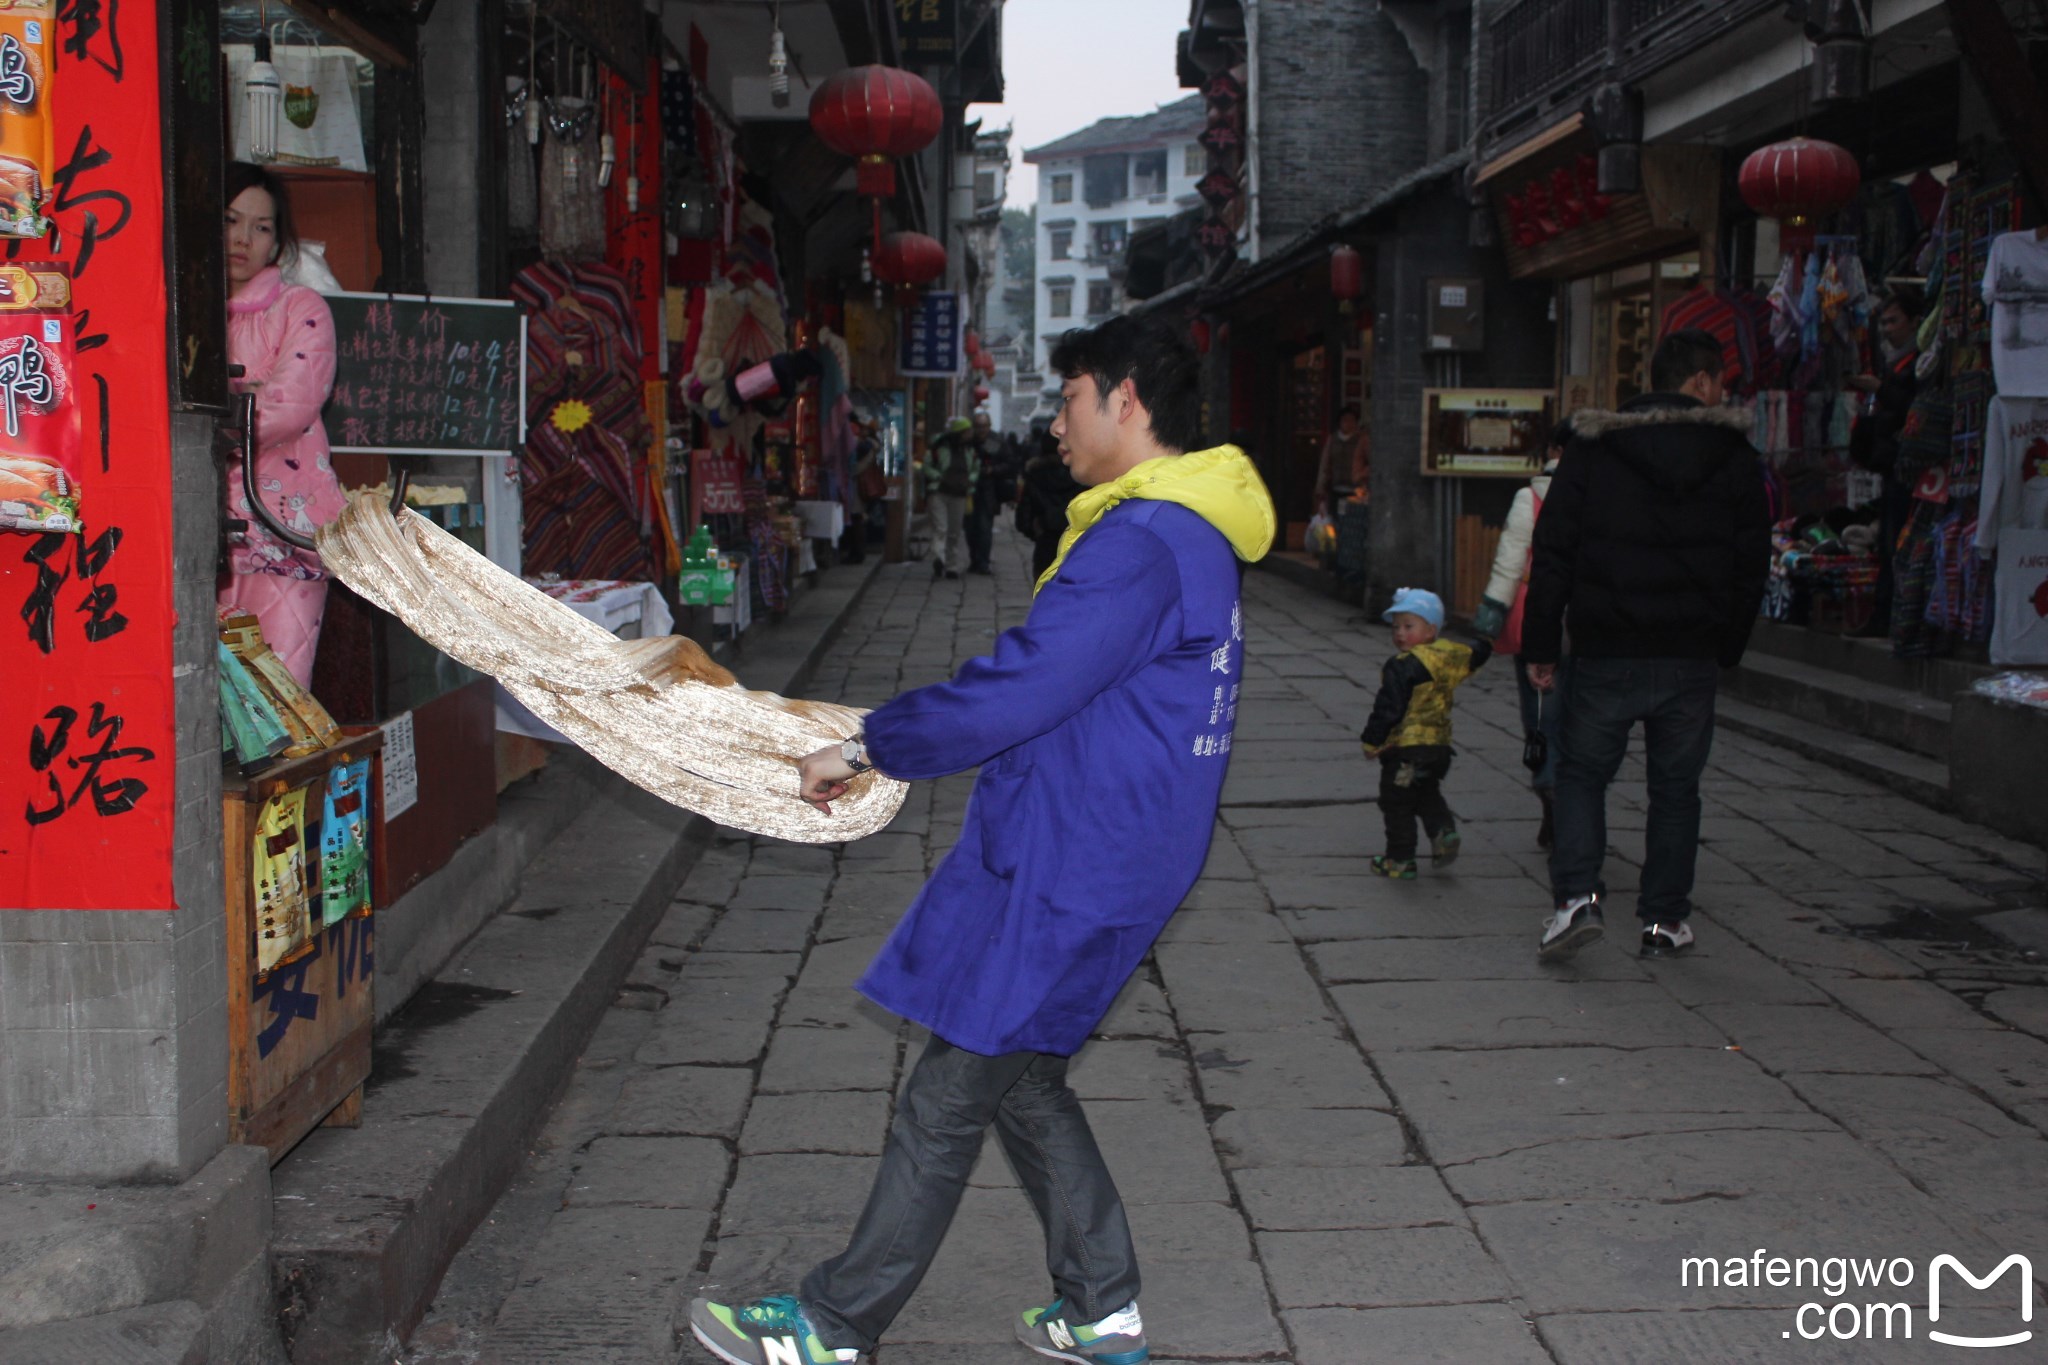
633,237
88,737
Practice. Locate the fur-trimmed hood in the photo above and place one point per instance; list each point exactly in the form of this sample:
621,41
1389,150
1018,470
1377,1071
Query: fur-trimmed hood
1593,423
1669,440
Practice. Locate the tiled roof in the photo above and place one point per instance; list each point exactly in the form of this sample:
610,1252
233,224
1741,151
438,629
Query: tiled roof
1182,118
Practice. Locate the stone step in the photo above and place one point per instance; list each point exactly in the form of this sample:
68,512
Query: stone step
1891,715
140,1272
1910,774
161,1334
1870,660
367,1219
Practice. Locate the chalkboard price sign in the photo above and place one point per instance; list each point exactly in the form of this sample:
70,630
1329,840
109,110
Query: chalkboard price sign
427,376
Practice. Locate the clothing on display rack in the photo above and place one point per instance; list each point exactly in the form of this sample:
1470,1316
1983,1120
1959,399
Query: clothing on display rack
2016,289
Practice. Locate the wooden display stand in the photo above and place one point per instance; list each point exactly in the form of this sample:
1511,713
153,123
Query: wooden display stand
299,1035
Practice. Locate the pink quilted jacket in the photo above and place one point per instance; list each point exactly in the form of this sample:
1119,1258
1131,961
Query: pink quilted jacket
283,337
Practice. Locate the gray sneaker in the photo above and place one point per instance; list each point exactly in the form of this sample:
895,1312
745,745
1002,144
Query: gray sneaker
1576,923
1118,1339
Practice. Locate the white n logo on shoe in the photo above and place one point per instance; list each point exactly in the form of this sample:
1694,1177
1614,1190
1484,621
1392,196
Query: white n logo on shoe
1061,1337
781,1351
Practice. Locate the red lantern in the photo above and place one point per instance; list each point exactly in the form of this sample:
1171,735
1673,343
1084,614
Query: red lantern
971,339
981,393
1347,275
1797,181
909,258
876,113
1198,330
986,364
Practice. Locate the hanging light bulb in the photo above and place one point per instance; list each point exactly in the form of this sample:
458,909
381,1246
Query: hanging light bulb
778,64
607,158
533,123
263,98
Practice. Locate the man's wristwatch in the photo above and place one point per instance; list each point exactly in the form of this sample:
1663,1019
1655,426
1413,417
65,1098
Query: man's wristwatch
854,754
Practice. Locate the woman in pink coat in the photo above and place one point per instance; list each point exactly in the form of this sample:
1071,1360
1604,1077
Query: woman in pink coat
283,338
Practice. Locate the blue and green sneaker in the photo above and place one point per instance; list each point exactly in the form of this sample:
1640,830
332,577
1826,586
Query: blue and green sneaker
1118,1339
770,1331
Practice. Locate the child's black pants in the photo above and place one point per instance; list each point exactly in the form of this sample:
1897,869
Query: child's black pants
1411,788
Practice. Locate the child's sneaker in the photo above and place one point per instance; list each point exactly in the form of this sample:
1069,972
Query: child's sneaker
768,1331
1118,1339
1398,869
1444,845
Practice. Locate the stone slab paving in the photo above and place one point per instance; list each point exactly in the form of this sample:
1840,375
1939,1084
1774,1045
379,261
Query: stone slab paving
1355,1121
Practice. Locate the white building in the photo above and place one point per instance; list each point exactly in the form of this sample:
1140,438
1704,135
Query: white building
1095,188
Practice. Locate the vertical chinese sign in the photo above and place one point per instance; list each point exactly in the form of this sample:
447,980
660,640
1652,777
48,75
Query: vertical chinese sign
87,726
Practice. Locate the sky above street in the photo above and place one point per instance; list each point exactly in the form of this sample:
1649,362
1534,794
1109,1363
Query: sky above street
1067,63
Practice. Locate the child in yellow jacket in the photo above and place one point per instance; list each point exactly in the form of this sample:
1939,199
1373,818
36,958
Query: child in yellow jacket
1409,731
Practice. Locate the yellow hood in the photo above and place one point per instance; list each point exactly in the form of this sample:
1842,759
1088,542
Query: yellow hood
1220,485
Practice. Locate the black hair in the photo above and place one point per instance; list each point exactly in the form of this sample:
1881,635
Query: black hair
1683,354
1159,361
1560,435
1348,410
243,176
1910,300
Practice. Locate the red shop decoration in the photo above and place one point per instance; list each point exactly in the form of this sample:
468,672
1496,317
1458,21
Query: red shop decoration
875,114
909,259
986,364
981,393
1798,181
1198,332
90,741
1347,275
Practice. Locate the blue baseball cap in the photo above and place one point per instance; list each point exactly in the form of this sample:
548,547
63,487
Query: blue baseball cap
1417,602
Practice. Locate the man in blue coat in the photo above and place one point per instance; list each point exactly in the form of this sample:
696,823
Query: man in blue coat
1102,729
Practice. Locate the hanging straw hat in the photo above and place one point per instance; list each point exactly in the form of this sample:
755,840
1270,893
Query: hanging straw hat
657,711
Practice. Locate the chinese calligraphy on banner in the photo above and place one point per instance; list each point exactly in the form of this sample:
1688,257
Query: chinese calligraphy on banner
88,747
931,336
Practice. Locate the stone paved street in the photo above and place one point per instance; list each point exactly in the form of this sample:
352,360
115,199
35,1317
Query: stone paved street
1354,1120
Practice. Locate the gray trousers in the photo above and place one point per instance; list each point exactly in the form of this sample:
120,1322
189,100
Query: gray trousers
952,1098
949,529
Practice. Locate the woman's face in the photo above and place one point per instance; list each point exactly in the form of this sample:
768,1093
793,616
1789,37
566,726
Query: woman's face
252,235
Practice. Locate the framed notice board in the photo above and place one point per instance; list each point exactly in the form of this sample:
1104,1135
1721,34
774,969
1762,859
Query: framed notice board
420,375
1485,433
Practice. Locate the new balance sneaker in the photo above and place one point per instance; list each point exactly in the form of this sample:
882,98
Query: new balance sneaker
1444,846
1667,940
770,1331
1118,1339
1575,924
1400,869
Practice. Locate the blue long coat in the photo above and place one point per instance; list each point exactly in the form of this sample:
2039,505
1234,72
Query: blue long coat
1102,727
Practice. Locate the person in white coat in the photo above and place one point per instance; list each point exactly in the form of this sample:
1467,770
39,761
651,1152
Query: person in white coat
1499,619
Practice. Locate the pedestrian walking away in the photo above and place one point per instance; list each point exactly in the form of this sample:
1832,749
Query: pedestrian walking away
1502,608
1409,731
1102,728
1652,549
950,470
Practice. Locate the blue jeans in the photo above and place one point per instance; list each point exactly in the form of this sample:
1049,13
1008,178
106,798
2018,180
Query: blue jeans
952,1098
1541,714
1674,700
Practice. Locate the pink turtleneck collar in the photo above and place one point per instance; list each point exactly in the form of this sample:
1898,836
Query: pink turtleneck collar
260,292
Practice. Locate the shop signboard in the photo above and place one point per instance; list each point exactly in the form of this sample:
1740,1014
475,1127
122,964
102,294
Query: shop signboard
420,375
1485,433
88,718
931,336
928,31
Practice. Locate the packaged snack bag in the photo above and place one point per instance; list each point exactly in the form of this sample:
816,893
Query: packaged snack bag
28,150
39,419
345,843
284,917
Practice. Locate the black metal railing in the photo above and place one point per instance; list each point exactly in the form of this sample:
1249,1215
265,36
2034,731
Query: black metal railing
1540,44
1546,50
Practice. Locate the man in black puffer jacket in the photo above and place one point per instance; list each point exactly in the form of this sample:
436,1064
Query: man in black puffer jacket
1652,549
